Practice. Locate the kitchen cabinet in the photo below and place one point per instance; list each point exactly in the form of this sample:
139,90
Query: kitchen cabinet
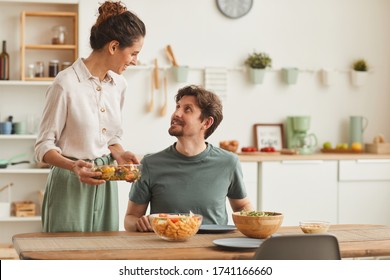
24,99
364,191
68,51
300,189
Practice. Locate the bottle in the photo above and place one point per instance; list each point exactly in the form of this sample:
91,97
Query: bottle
4,63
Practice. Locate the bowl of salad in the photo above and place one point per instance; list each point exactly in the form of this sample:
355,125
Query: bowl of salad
175,227
113,172
257,224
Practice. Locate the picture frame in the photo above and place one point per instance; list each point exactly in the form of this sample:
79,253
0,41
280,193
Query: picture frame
267,135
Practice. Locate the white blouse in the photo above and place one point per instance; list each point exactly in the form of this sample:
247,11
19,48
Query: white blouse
82,116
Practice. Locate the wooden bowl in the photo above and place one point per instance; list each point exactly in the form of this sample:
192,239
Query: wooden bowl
258,226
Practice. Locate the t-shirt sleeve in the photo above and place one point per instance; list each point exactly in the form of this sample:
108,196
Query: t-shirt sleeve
237,188
140,191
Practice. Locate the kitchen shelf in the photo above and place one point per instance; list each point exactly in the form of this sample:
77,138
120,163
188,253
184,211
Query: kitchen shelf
20,219
18,137
25,171
25,83
73,48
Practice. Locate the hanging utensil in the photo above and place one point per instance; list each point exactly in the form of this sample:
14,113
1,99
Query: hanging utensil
151,102
163,110
156,82
171,56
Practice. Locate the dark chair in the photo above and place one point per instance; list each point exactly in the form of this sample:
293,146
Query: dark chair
299,247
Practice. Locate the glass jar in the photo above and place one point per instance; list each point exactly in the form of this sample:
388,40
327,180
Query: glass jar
39,69
59,35
53,68
31,71
65,65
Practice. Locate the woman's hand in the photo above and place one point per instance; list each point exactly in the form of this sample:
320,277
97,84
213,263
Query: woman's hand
122,156
83,170
127,157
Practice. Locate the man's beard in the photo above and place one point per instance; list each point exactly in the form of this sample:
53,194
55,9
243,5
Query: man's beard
175,132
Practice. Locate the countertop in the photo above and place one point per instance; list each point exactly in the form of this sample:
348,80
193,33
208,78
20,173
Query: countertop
260,157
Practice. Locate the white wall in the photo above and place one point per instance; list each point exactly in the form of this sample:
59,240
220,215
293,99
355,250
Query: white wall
306,34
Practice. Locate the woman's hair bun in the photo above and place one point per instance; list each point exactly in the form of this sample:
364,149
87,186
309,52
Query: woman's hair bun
110,8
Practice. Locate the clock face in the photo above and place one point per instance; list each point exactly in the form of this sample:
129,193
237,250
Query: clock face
234,8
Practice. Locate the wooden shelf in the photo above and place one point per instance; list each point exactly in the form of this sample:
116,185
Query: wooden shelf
41,47
51,47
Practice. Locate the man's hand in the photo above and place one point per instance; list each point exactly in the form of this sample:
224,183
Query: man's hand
143,224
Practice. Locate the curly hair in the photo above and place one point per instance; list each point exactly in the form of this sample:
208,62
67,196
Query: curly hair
115,22
208,102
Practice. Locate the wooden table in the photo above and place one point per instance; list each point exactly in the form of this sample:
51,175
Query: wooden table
355,241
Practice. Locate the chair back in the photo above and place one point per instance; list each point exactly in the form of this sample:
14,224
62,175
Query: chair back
299,247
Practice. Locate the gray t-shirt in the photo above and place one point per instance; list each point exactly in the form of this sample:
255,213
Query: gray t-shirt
174,183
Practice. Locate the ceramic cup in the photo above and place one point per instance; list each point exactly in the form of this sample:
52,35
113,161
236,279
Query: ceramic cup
5,127
20,128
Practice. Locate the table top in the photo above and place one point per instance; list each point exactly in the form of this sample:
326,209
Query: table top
355,241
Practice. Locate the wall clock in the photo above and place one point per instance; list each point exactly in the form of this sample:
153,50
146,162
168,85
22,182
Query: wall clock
234,8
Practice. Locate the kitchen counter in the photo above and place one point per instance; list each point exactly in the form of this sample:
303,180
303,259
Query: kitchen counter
259,157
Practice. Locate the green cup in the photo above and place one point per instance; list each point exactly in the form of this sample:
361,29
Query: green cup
20,128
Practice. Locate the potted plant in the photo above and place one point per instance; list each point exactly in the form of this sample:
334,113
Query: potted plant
359,72
258,64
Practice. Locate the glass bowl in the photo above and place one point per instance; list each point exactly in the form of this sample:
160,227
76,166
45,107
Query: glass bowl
125,172
175,227
313,227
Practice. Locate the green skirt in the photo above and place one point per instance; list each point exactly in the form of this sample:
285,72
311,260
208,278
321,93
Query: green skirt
70,205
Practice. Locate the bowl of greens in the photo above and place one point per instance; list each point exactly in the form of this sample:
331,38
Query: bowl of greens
257,224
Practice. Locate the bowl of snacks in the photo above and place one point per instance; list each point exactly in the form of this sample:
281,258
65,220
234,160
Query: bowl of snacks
229,145
125,172
175,227
313,227
257,224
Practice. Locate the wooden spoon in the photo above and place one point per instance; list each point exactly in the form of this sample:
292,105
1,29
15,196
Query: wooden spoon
171,56
151,102
156,82
163,110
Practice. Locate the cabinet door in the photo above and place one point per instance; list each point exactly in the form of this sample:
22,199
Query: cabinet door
364,192
301,190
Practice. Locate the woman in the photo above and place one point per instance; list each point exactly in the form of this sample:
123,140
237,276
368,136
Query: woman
81,126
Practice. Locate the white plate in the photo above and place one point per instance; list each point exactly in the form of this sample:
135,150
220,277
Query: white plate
239,243
216,228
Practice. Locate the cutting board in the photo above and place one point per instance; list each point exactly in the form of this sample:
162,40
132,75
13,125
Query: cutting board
341,151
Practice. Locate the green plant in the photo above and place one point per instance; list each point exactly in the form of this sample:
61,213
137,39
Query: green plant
360,65
258,60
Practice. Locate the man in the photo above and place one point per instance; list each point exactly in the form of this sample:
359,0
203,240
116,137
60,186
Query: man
191,175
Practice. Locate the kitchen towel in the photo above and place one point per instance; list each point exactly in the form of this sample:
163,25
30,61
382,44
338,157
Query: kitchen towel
215,79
